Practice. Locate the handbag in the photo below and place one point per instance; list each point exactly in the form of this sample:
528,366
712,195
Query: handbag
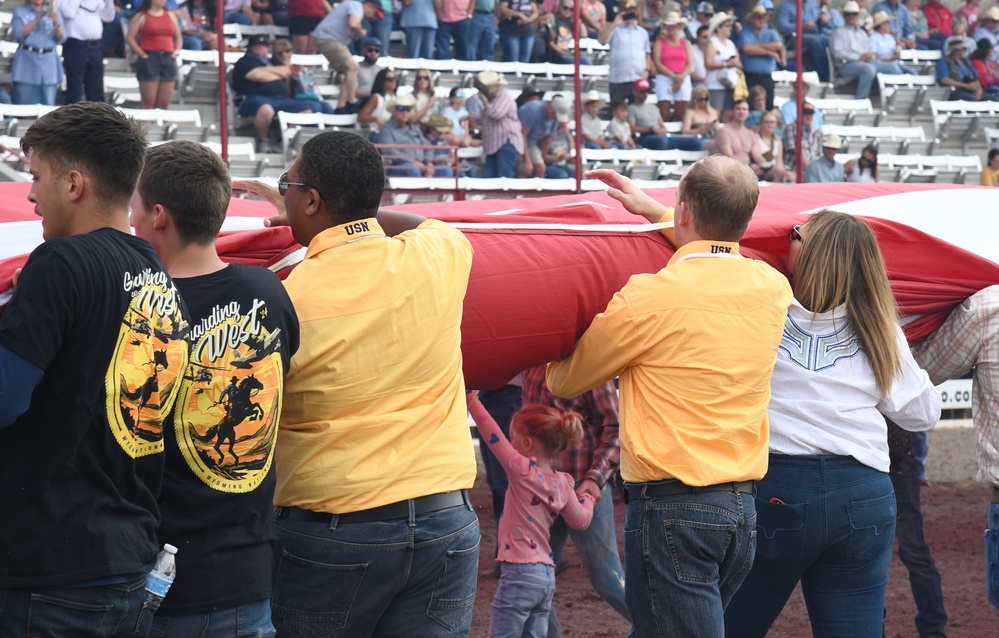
303,85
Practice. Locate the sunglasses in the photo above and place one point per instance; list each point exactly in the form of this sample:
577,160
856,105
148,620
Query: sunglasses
423,77
404,108
283,184
808,112
372,50
390,78
701,99
795,234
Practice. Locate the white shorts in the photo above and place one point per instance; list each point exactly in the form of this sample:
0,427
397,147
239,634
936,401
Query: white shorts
664,90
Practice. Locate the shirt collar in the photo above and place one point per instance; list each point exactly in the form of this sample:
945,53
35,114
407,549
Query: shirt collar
344,234
705,248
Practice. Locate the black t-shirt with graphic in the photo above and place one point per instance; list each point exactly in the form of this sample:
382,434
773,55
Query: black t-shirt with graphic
217,501
80,469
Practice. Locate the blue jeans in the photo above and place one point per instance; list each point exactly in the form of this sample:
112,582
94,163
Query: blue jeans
252,620
597,548
501,405
237,17
419,42
865,73
517,48
560,172
380,28
931,619
816,46
459,31
920,448
412,576
35,93
558,58
502,163
671,142
829,522
191,42
523,601
482,36
104,611
252,103
84,67
685,556
992,556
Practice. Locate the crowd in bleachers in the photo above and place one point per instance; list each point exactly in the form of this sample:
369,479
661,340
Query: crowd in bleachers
673,72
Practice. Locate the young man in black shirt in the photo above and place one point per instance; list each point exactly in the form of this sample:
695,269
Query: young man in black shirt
91,351
218,488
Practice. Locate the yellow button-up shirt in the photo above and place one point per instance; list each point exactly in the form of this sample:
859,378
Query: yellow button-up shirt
695,346
374,407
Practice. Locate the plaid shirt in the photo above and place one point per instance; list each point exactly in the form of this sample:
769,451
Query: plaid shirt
500,124
970,337
599,455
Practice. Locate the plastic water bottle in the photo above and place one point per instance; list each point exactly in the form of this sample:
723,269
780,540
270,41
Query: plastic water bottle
159,580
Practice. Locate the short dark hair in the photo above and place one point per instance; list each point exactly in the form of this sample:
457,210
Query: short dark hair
98,140
721,193
347,171
618,104
992,153
736,103
192,183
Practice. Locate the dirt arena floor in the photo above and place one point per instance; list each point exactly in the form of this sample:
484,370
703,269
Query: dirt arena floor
954,509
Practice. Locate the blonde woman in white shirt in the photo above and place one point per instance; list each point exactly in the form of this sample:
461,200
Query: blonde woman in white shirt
826,508
720,59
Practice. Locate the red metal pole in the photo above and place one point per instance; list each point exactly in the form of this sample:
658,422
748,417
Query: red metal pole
799,89
223,88
577,87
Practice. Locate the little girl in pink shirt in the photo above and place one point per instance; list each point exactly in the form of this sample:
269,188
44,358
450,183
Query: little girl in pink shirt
536,495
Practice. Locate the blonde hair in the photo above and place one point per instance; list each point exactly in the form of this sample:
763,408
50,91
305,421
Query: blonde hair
553,429
280,46
840,263
699,91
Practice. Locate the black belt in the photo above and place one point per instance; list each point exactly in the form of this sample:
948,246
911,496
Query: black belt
89,42
421,505
673,487
36,49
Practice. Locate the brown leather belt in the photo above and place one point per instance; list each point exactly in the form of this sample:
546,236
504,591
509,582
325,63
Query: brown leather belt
421,505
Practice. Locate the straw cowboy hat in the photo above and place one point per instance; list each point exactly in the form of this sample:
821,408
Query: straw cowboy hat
758,10
832,141
991,14
592,95
489,78
672,18
880,18
717,20
850,7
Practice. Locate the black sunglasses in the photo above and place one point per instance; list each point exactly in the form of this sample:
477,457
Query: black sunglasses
423,77
283,184
795,234
404,108
372,50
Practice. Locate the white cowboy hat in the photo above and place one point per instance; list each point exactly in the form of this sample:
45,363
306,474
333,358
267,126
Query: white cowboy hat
881,17
832,141
717,20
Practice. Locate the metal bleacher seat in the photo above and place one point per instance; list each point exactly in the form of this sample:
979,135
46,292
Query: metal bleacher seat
958,119
908,95
991,136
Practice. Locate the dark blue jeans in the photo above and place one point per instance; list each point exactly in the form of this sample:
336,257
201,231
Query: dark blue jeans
828,522
671,142
104,611
251,619
482,36
83,63
412,576
459,32
517,48
913,551
503,162
992,556
685,556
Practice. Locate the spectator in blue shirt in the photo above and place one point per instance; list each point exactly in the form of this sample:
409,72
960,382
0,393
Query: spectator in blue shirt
813,41
901,27
762,51
826,168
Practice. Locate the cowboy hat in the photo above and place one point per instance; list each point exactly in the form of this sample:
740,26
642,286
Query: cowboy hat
850,7
881,17
718,20
832,141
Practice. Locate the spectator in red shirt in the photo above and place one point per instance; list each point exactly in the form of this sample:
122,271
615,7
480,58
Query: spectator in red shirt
938,19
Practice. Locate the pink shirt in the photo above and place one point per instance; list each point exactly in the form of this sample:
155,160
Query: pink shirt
534,498
454,10
672,57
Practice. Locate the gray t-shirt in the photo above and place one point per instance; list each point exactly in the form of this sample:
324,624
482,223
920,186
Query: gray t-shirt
335,25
